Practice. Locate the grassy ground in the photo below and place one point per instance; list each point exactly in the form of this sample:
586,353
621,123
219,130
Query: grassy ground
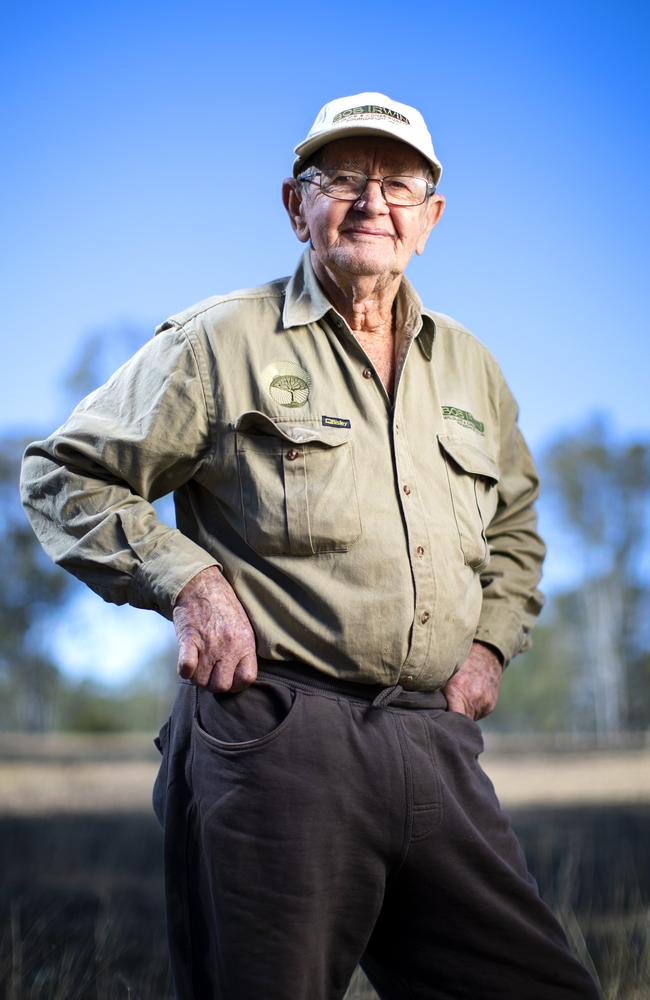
81,889
78,774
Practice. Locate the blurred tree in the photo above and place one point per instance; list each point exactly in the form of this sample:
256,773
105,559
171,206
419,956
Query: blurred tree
101,353
30,588
34,695
537,693
600,491
33,692
140,704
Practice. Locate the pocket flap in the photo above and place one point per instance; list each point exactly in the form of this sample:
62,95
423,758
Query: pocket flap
470,459
256,422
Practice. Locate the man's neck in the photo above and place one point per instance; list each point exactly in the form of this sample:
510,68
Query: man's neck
364,301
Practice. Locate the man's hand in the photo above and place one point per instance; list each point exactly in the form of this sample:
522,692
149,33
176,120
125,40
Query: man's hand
474,688
216,643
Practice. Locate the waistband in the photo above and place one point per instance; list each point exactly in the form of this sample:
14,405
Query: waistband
303,676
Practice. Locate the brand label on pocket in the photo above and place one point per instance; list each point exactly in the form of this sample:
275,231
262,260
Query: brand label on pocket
335,422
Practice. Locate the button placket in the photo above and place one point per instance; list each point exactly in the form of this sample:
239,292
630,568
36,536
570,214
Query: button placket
296,499
422,570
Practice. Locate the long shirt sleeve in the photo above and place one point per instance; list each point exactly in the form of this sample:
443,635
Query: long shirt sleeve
511,600
88,487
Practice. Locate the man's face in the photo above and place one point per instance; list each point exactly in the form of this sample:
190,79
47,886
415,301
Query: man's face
365,237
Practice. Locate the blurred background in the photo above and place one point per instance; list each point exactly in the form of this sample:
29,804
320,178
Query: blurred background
144,146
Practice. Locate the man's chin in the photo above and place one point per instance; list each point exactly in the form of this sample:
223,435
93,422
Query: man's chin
364,264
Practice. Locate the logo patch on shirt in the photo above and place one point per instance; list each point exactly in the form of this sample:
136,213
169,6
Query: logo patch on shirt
335,422
287,383
464,418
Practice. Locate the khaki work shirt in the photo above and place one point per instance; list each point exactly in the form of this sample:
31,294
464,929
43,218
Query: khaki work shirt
370,539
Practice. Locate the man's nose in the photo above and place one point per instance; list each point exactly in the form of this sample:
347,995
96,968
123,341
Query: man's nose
372,200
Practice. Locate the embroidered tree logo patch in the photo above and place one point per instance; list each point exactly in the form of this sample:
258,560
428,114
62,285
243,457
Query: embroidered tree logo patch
288,383
295,386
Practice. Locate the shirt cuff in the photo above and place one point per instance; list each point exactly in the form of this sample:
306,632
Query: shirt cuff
504,630
157,582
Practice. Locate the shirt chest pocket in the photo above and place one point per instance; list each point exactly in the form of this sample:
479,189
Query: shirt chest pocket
297,485
472,477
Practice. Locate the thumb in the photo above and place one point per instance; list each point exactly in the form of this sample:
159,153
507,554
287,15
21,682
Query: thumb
188,659
457,702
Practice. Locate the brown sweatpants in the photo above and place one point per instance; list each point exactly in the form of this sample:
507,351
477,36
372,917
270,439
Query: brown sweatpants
313,825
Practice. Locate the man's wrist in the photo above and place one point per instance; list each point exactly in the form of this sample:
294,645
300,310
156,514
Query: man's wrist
207,577
492,649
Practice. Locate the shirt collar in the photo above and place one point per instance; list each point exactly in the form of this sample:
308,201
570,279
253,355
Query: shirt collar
306,302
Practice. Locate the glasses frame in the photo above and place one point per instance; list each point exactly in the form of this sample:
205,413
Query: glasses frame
313,175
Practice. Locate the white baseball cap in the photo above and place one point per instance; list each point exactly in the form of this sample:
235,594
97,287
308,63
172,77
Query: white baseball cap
368,114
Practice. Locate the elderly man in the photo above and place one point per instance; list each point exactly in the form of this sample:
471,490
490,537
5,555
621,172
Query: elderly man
355,563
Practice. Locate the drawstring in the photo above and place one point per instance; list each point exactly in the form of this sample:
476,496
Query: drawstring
385,697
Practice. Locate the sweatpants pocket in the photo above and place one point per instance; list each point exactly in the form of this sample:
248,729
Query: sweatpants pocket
231,723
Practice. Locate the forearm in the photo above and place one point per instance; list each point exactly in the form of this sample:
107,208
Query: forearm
511,600
88,488
106,535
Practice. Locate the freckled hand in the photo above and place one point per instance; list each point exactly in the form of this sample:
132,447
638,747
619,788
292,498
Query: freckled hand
474,688
216,643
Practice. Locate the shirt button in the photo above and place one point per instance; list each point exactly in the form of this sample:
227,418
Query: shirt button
406,488
420,550
424,617
409,678
293,454
367,373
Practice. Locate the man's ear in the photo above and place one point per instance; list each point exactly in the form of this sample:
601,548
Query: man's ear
435,206
292,198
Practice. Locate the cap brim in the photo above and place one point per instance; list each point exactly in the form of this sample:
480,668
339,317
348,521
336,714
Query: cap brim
309,146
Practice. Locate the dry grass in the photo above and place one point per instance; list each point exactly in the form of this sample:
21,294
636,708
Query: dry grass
82,900
58,773
580,778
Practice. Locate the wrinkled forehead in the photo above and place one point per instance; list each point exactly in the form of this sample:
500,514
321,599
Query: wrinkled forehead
371,153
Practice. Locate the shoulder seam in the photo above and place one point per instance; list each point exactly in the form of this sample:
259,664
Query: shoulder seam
209,409
454,326
222,300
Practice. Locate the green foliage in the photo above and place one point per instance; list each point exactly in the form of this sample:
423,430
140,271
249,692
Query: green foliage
600,490
34,695
536,693
138,706
31,588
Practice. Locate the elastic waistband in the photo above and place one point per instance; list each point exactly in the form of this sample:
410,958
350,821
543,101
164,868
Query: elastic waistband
381,696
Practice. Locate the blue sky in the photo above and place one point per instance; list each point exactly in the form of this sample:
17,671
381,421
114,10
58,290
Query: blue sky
144,145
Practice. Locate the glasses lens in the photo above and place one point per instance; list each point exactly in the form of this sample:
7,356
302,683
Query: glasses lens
405,190
348,185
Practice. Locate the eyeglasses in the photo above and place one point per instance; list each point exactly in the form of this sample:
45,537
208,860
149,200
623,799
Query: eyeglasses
349,185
